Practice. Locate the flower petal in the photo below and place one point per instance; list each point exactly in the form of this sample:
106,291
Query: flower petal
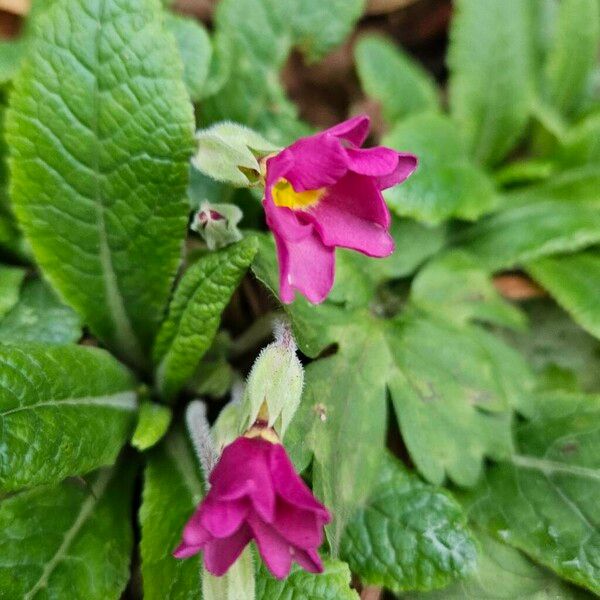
185,550
284,221
309,560
194,533
373,161
354,215
319,161
220,554
407,163
243,470
221,518
299,527
273,548
307,266
290,486
353,130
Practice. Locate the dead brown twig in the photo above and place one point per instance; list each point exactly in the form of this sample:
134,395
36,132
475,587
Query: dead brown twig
371,592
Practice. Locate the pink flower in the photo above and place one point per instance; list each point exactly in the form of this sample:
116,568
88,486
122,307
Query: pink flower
324,191
256,494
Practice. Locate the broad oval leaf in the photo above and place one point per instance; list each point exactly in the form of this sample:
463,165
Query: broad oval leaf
409,536
101,130
172,489
39,316
65,410
403,87
153,423
544,498
73,540
333,584
573,281
195,313
490,60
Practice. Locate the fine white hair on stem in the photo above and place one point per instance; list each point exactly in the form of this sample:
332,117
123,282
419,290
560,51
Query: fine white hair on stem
237,391
199,431
282,332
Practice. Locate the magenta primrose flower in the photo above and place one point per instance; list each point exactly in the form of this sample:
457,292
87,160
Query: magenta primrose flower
324,191
256,494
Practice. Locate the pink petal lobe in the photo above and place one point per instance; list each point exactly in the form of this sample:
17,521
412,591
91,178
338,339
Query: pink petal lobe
185,551
309,560
284,221
222,518
407,163
290,487
220,554
302,528
354,215
373,161
194,533
307,266
273,548
319,161
353,130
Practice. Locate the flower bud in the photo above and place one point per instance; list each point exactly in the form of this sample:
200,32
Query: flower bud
217,224
274,387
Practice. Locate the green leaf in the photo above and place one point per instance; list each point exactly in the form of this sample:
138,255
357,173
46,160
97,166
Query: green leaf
453,391
563,355
257,37
522,234
581,145
544,499
11,279
172,489
11,53
228,152
456,287
195,313
409,536
333,584
73,540
39,316
503,573
490,60
574,281
100,163
403,87
153,422
573,54
196,52
446,184
65,410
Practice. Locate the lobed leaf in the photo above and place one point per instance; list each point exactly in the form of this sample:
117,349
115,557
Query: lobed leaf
101,130
65,410
195,313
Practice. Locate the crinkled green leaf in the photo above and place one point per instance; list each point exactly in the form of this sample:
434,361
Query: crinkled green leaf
490,60
544,499
195,49
65,410
39,316
153,422
73,540
389,75
257,36
503,573
101,130
574,281
11,52
333,584
573,54
456,287
522,234
409,536
172,489
446,184
195,313
11,279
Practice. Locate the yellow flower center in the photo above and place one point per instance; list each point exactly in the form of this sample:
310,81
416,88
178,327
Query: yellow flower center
285,195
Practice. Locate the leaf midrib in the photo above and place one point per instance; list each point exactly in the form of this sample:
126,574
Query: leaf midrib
87,507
